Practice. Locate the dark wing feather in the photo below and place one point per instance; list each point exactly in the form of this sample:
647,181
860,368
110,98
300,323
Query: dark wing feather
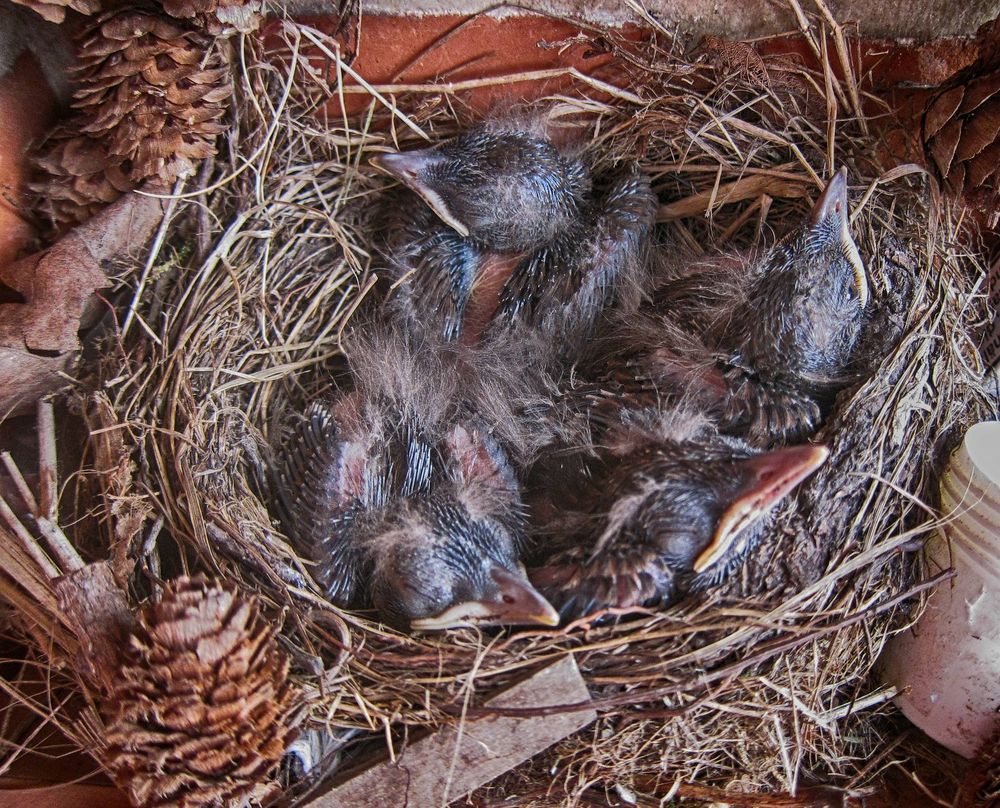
620,576
317,503
525,292
443,278
435,267
569,282
766,413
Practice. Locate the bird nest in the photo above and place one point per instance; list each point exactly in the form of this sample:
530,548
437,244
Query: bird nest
234,319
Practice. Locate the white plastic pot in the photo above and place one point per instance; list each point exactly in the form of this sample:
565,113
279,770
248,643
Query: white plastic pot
947,666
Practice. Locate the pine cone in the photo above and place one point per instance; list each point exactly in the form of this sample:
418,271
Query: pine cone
218,16
202,709
152,91
76,180
729,57
150,97
961,128
55,10
962,133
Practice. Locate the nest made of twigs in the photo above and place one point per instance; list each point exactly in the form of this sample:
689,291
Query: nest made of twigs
235,319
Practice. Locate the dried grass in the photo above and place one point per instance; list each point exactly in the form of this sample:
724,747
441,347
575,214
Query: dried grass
235,318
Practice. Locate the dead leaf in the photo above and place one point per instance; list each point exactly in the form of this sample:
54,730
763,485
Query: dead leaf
39,334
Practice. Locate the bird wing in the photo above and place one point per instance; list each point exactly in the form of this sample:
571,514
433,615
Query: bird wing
320,486
766,413
607,560
570,281
621,574
435,267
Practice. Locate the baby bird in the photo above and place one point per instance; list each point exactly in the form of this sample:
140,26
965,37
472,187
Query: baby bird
405,501
762,345
668,507
511,234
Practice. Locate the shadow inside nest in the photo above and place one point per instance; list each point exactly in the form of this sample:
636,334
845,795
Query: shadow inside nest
249,330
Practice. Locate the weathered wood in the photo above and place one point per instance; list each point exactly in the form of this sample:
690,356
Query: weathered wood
446,766
928,19
95,609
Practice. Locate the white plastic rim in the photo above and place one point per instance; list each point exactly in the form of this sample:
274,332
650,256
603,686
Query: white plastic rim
947,666
970,497
980,448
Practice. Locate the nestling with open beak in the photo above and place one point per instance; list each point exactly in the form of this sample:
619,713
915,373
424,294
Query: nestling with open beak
669,506
499,229
407,502
762,344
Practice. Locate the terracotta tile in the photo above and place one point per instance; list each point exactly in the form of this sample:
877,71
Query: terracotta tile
27,109
420,50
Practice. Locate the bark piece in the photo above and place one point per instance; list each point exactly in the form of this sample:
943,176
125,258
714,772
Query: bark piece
430,772
96,610
39,336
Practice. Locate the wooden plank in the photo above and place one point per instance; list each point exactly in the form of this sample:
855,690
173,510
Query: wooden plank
450,763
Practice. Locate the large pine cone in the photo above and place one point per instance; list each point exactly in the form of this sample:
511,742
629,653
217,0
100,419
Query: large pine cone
150,97
153,91
55,10
961,128
202,710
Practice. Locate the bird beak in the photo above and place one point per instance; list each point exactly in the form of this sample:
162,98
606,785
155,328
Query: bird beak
833,203
409,168
772,477
514,603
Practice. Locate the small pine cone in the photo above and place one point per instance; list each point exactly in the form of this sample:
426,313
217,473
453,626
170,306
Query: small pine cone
218,16
153,92
75,179
961,127
962,133
55,10
149,102
202,709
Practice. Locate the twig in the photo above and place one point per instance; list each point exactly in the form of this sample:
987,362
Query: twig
62,548
452,87
19,482
153,254
28,542
48,495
